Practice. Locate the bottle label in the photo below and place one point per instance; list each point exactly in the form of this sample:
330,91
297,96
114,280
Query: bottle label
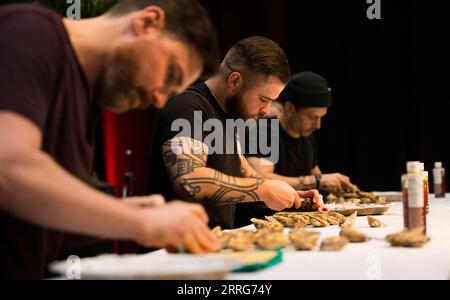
437,173
415,192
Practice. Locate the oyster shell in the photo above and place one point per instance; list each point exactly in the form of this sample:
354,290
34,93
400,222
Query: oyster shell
241,240
336,243
354,236
374,223
335,216
304,240
318,221
349,221
271,224
272,240
414,238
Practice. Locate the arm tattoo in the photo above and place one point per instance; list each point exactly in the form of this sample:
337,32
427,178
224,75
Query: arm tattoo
184,156
184,163
229,191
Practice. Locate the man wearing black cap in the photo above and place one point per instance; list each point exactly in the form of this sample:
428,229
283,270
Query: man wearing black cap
307,98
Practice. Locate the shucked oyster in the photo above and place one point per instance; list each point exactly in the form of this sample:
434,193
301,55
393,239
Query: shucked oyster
354,236
318,221
285,221
272,240
300,221
374,223
241,240
303,239
349,221
223,237
336,243
414,238
335,218
271,224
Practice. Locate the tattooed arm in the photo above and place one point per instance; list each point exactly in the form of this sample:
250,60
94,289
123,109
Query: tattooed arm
185,160
267,169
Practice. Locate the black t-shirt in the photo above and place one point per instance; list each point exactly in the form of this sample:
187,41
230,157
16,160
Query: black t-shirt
41,79
196,99
297,157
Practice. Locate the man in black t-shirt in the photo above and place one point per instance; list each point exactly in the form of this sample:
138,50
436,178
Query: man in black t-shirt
55,74
196,156
307,99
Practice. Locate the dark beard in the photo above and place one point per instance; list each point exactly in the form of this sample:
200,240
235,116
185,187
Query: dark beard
116,83
234,106
236,110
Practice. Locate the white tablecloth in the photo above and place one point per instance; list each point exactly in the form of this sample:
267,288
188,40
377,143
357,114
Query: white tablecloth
375,259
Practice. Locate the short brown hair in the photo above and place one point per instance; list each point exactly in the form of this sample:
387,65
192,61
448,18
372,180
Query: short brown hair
187,20
258,56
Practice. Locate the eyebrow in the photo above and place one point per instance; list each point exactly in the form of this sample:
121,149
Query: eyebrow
267,98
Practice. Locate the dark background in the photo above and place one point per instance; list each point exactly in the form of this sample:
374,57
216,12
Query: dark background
390,81
390,77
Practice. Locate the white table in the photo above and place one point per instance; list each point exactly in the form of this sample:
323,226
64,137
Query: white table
375,259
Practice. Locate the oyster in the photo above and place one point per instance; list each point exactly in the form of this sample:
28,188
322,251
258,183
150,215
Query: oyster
241,240
271,224
414,238
335,216
374,223
366,200
318,221
351,196
367,195
354,236
380,200
303,239
349,221
285,221
307,205
272,240
332,198
222,237
336,243
300,221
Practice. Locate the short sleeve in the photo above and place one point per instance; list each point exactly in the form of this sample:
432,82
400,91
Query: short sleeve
28,63
181,116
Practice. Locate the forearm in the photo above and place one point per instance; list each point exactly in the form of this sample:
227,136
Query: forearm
34,188
211,187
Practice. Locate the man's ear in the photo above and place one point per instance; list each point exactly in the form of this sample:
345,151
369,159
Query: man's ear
289,108
234,81
151,18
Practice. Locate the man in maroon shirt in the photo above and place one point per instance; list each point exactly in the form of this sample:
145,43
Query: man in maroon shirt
55,74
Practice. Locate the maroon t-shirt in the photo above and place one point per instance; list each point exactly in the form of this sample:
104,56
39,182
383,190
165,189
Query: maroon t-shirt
42,80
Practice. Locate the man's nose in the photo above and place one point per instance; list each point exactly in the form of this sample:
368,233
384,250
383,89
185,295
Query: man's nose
319,123
266,109
160,98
